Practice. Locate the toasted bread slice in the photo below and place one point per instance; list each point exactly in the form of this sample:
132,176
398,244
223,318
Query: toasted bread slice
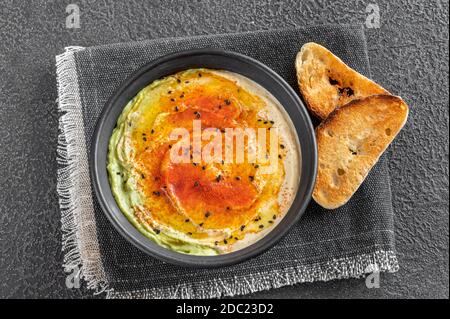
326,82
350,141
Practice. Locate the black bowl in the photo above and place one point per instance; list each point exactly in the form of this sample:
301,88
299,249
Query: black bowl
212,59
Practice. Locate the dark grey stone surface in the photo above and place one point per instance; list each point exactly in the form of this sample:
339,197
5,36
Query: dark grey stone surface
408,54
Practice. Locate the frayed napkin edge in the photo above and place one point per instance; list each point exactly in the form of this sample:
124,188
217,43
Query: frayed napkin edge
82,256
341,268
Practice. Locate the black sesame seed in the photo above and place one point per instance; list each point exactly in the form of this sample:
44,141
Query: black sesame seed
225,241
144,138
261,226
157,231
218,178
170,146
189,233
251,178
265,122
156,193
143,176
270,222
152,131
186,220
169,92
199,75
216,243
279,156
237,178
272,122
176,109
274,217
242,227
172,99
228,208
282,146
256,166
235,238
196,184
207,214
227,102
118,173
178,80
201,224
203,167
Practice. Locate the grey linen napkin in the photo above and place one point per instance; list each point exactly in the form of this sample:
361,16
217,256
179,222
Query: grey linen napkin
353,240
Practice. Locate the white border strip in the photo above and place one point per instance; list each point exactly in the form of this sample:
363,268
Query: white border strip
79,241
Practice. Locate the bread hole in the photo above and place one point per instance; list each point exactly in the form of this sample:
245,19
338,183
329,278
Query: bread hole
347,90
332,81
340,171
329,133
388,131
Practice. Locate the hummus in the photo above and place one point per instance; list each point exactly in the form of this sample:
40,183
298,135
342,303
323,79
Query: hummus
203,207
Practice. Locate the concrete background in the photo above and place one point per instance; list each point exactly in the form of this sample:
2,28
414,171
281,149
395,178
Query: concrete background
408,55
